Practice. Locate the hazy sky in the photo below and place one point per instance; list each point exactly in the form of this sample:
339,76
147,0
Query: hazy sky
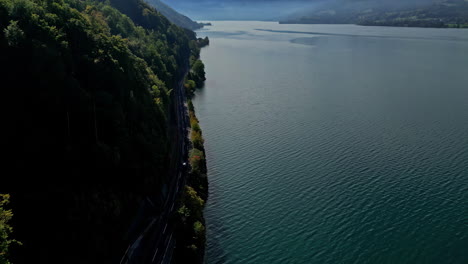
238,9
269,9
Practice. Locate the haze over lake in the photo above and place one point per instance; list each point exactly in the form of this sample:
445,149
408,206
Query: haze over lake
335,143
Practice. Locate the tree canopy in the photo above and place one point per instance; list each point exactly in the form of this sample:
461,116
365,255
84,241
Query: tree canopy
5,229
86,111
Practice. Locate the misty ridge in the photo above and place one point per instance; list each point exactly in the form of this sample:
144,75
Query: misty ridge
272,9
349,6
421,13
413,13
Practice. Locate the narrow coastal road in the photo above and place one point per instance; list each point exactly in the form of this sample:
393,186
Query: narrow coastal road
156,242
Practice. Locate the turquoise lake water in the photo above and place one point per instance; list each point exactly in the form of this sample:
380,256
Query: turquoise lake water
335,143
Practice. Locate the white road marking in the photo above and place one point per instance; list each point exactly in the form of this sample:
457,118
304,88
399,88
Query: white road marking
154,256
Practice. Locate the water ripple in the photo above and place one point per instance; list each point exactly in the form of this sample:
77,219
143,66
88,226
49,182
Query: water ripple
329,155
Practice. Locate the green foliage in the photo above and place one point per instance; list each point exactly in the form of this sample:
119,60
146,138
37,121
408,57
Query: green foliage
196,158
198,228
196,138
13,34
196,127
115,73
197,73
163,45
87,95
5,229
193,117
196,76
195,133
194,202
191,230
184,212
191,209
197,177
202,42
190,106
190,86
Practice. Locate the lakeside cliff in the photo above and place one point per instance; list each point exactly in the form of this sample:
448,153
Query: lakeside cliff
87,111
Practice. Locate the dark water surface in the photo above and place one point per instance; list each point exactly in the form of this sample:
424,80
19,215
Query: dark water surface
335,143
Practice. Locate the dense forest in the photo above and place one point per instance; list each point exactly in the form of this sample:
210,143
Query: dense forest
86,112
437,13
190,223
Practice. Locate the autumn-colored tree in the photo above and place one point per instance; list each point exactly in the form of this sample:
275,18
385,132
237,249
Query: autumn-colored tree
190,86
5,229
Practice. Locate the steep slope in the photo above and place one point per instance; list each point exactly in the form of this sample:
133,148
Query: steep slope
86,107
174,16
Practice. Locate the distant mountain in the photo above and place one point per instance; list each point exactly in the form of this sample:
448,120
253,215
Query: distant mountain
212,10
173,16
438,13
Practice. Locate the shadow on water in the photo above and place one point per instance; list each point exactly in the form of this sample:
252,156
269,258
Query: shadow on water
362,36
221,34
214,252
218,254
305,41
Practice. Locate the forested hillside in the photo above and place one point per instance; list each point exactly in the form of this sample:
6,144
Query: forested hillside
86,102
441,14
415,13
